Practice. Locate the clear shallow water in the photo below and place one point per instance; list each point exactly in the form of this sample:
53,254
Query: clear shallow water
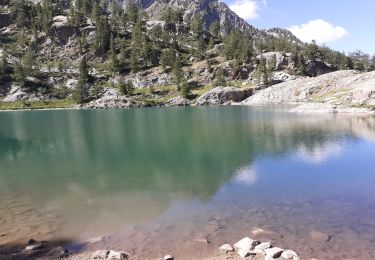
155,181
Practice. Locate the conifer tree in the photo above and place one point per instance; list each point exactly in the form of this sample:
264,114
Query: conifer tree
4,65
215,28
113,56
81,92
197,25
96,12
219,78
19,76
178,74
185,89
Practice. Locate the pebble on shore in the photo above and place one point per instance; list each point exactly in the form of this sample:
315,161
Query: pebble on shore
247,246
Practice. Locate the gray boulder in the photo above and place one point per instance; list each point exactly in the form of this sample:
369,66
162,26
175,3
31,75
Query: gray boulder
178,102
222,95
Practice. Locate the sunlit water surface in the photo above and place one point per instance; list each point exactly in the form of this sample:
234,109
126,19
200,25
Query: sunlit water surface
155,181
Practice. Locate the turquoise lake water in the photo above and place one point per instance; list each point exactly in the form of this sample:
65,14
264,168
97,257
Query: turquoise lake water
151,180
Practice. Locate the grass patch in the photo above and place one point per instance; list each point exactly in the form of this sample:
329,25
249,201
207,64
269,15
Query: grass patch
44,104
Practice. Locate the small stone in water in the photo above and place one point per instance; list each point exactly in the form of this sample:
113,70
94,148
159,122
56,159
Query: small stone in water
58,252
99,254
31,241
275,252
168,257
245,244
226,248
35,246
320,236
114,255
290,255
263,246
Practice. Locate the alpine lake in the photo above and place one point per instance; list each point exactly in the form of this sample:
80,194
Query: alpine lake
183,181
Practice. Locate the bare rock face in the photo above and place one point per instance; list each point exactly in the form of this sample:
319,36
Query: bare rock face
112,99
280,58
16,94
280,76
178,102
61,29
340,89
222,95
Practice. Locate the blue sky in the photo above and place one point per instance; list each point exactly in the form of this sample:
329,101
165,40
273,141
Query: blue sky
345,25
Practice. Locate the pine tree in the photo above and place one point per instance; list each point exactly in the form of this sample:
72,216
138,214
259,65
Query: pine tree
96,12
185,89
113,56
215,28
146,51
4,65
81,92
47,14
167,58
272,64
19,8
219,78
28,61
261,72
103,34
19,76
199,49
197,25
211,44
133,12
178,74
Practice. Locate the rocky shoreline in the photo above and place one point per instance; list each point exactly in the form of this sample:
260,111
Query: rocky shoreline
335,92
245,248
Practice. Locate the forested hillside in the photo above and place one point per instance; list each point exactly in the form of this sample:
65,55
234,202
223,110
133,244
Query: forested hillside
77,50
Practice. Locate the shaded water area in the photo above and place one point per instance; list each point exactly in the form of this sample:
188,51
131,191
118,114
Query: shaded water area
167,180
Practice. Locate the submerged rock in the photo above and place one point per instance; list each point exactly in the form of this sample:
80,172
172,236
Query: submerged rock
99,255
168,257
114,255
226,248
290,255
262,246
36,246
320,236
245,246
274,252
58,252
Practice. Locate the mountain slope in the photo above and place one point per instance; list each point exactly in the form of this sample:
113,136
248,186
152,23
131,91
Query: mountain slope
211,11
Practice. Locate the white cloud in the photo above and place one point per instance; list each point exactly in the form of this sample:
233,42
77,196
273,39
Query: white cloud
246,9
319,30
245,176
320,153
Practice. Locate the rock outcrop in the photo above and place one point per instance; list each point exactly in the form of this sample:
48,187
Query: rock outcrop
340,89
178,102
112,99
223,95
